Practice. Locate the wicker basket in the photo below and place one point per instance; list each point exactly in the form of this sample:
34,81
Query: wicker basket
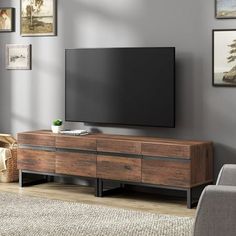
11,174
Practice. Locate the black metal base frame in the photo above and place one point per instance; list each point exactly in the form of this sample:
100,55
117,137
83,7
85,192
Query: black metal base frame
192,194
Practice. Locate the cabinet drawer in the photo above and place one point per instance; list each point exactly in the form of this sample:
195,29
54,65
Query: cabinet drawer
166,172
166,150
80,164
118,146
119,168
81,143
36,140
36,160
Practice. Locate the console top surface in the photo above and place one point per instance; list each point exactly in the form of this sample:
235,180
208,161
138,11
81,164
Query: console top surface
130,138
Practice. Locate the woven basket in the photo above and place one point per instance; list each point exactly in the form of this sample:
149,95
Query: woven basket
11,174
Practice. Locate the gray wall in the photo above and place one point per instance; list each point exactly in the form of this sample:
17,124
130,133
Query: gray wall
31,99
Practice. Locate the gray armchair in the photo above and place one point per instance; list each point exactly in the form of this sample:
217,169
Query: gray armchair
216,211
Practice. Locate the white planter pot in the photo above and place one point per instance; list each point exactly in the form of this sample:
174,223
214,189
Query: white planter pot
56,129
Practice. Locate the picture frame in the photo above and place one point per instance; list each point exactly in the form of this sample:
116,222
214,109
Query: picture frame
225,9
224,57
38,17
7,19
18,57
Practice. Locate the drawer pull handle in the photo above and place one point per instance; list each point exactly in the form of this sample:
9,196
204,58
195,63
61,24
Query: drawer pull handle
127,167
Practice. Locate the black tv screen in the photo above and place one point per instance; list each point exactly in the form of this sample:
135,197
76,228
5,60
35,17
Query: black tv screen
124,86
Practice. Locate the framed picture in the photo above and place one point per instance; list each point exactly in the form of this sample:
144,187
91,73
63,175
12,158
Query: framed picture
7,19
224,58
38,17
18,57
225,9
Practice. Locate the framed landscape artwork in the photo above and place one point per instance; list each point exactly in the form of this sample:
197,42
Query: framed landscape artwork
7,19
225,9
224,58
18,57
38,17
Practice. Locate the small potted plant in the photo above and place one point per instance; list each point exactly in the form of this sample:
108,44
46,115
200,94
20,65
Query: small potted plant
56,126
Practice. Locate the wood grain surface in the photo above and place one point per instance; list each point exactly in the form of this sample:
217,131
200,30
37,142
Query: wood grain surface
36,139
80,164
202,164
182,151
119,146
119,168
76,142
166,172
36,160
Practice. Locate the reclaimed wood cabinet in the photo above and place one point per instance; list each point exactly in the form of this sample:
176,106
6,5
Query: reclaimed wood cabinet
147,161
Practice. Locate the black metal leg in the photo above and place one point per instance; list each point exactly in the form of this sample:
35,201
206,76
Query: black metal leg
21,180
189,198
193,195
50,178
23,183
98,188
100,192
122,185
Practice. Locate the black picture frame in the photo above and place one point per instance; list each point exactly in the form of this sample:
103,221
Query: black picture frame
223,16
12,23
217,51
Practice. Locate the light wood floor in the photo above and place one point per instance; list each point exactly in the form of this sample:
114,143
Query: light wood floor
135,201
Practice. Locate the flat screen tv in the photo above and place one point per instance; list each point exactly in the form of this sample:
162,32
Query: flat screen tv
123,86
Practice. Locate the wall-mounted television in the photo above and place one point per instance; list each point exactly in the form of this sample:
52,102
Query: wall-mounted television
121,86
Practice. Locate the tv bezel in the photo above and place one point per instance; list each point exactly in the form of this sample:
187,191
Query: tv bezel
109,124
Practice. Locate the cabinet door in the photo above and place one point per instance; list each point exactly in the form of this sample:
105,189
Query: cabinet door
119,168
164,171
81,164
36,160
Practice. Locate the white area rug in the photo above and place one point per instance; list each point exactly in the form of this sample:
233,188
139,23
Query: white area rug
22,215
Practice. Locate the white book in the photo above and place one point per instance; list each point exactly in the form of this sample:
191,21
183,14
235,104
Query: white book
74,132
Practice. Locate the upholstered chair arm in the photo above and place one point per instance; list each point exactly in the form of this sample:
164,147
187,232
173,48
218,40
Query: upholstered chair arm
227,175
216,212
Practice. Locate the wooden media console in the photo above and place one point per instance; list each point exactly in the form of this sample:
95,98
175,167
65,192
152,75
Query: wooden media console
147,161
